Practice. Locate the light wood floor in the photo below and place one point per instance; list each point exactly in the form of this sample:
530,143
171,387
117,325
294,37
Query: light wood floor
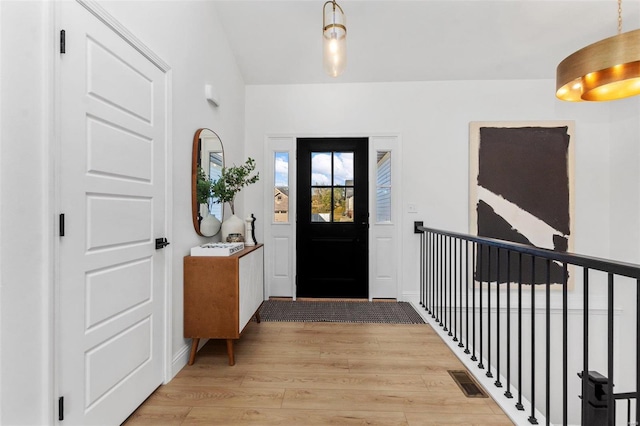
321,374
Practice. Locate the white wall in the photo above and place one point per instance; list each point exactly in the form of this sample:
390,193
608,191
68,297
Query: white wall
433,120
625,233
185,34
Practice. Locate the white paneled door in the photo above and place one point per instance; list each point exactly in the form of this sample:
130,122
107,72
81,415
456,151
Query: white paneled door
110,316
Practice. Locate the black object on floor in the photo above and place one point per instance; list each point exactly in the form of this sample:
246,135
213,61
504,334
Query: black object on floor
339,311
466,384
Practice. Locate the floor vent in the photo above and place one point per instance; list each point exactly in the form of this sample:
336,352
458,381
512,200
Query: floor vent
466,384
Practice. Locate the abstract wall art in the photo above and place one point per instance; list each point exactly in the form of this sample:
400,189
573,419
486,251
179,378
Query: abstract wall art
521,190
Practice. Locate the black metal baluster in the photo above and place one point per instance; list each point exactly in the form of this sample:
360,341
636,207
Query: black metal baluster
460,282
565,344
466,269
480,281
437,280
444,283
585,340
473,302
450,322
508,393
447,287
532,417
455,288
434,263
489,313
637,346
422,268
442,278
497,383
519,405
428,272
441,313
548,344
610,397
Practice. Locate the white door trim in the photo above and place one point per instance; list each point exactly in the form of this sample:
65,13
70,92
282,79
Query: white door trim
52,88
100,13
287,142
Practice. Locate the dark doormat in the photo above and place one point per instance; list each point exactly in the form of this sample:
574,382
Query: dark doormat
339,311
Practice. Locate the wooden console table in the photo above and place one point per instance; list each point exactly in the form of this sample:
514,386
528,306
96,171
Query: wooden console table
221,295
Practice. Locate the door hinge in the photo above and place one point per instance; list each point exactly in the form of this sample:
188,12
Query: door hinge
63,42
61,408
61,224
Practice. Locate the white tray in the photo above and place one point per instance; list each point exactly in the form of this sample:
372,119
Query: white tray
217,249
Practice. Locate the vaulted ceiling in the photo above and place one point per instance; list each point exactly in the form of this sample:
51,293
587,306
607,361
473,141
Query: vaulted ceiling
279,42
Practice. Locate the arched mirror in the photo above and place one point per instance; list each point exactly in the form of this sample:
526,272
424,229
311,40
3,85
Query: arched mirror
207,163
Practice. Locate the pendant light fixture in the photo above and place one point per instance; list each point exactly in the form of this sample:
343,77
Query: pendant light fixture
603,71
334,39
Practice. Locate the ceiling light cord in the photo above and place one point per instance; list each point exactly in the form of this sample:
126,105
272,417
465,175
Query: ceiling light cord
619,16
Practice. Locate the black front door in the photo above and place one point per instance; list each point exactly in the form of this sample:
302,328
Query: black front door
332,218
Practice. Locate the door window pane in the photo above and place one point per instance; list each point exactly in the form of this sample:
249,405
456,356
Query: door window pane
342,168
320,168
281,187
383,186
343,204
321,204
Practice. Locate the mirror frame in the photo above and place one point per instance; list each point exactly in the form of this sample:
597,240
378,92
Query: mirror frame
195,208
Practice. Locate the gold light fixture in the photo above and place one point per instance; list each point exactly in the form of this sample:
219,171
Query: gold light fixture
603,71
334,39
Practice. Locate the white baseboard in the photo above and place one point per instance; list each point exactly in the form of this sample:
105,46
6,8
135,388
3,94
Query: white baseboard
181,358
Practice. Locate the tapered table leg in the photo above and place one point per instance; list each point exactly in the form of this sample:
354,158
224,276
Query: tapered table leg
194,349
232,360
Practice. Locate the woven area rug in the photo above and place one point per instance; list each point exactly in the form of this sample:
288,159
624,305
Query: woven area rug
337,311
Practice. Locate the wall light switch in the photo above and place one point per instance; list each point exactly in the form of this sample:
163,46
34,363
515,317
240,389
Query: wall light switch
412,208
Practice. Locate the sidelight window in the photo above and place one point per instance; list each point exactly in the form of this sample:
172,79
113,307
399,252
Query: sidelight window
281,187
383,187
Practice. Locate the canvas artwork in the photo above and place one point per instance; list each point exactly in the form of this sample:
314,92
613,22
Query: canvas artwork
521,190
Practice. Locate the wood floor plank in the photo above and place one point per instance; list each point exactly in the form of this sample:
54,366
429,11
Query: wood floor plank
158,415
371,400
251,362
421,365
291,380
267,417
258,348
320,374
458,419
195,396
383,351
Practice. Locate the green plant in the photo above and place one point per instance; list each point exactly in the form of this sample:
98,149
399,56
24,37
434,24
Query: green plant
203,187
232,180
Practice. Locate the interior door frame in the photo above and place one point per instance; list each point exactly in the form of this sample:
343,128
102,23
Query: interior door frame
391,280
55,164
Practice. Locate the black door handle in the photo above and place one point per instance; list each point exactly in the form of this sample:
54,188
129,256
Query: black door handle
161,243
